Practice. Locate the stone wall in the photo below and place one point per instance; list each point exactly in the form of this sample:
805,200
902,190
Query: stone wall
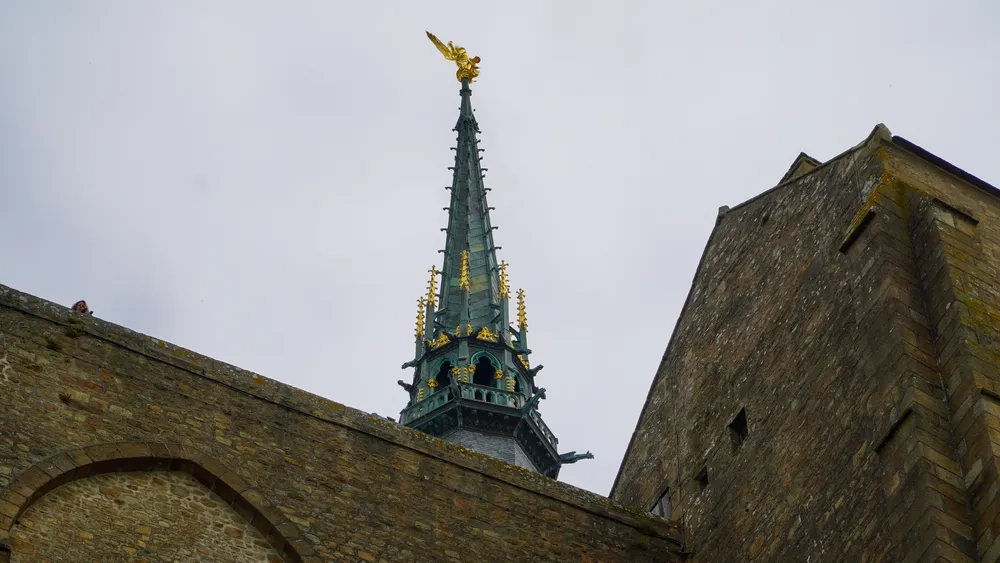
84,402
152,516
852,314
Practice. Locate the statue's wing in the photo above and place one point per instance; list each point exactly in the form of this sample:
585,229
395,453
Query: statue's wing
441,46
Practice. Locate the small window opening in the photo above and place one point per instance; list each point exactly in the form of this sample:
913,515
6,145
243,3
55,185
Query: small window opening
484,372
662,508
702,478
738,429
443,376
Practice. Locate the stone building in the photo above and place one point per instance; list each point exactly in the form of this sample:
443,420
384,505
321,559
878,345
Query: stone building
831,392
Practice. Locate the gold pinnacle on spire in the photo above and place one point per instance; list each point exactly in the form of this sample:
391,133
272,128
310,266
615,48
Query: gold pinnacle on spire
504,282
432,287
421,305
522,316
467,66
463,272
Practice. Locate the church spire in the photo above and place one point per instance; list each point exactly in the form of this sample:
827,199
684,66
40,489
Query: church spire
472,382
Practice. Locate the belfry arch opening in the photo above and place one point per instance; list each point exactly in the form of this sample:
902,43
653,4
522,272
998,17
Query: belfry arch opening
443,375
485,372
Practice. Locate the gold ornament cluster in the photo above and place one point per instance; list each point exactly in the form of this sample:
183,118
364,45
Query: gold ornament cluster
421,305
432,287
522,316
488,335
463,272
440,341
462,373
504,282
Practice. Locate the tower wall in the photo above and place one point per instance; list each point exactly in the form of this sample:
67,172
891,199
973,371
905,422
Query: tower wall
84,403
853,313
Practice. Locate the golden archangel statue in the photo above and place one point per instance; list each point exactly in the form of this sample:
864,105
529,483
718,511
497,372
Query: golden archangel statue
467,66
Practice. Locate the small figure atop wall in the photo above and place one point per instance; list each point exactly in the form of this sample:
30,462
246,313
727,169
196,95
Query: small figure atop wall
82,308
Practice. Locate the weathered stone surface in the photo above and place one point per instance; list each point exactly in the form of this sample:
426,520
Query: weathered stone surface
853,312
83,400
148,516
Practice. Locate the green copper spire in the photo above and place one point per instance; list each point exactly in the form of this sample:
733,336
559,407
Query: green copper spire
472,382
469,229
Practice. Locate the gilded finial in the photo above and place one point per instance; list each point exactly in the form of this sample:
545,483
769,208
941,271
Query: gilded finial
522,316
504,282
432,287
468,68
421,305
463,272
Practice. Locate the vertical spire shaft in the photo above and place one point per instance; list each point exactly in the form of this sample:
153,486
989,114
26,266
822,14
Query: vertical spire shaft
470,231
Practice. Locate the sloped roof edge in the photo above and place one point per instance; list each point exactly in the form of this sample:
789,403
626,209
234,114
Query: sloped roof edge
943,164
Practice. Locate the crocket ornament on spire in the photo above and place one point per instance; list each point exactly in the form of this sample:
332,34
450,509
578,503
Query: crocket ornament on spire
467,66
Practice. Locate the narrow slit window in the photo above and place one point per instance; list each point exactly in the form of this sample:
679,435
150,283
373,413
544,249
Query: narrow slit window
738,429
702,478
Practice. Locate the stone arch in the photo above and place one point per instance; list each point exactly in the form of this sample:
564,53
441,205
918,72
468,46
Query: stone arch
62,468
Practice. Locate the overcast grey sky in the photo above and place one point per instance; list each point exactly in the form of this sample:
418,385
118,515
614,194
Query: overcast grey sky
262,182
